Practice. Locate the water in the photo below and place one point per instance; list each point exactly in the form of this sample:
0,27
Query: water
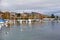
34,31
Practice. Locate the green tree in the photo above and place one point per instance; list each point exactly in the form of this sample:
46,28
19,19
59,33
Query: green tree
52,16
18,15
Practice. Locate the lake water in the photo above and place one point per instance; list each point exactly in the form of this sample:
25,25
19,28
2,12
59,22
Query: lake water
34,31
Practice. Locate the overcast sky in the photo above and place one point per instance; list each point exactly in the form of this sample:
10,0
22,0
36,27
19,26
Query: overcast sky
44,6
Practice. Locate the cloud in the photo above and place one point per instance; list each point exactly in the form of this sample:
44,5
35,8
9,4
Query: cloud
43,6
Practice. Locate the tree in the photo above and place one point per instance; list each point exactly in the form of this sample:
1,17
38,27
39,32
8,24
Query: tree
18,15
52,16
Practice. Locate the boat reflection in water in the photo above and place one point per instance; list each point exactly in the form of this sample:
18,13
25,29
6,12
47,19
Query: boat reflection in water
2,23
33,31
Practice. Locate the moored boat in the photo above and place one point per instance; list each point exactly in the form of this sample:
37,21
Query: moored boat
2,22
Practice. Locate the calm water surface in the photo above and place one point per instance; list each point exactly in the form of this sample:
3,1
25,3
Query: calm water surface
34,31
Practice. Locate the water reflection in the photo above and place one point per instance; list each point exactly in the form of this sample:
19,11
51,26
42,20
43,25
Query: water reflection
33,31
52,25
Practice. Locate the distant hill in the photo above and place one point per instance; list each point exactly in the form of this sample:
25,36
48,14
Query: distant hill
6,15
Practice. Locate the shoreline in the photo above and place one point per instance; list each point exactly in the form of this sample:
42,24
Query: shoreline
26,21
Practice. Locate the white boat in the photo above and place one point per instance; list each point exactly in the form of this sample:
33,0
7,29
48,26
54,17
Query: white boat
2,23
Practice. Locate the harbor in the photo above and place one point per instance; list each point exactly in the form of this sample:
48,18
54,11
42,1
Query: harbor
29,19
29,26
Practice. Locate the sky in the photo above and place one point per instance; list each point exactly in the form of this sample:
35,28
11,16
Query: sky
42,6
